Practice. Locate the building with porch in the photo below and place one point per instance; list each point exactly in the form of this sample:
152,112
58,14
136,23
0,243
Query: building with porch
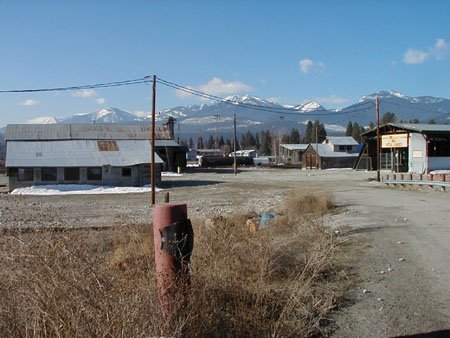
406,147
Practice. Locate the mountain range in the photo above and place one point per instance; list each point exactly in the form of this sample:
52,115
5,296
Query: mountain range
260,114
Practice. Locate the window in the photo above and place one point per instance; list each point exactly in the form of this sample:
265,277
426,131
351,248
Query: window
71,174
25,174
49,174
94,174
107,146
341,148
126,172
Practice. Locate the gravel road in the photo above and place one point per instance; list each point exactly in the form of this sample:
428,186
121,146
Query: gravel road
403,266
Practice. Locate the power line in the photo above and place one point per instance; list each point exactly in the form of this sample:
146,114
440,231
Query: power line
421,109
283,111
145,79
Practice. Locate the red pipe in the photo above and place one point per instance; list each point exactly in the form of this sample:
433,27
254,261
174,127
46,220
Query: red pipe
173,241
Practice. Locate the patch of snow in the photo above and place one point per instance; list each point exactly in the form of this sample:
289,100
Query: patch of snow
170,174
335,127
43,120
439,172
79,189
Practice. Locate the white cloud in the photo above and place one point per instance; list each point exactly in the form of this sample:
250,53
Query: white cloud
85,93
307,65
216,86
415,56
100,100
29,102
440,49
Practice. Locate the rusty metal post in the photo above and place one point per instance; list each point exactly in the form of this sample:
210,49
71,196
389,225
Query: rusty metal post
174,242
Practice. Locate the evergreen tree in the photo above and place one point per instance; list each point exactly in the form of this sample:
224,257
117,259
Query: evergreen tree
257,142
221,141
211,142
266,143
191,143
200,144
293,137
309,133
356,132
431,121
388,118
349,130
242,144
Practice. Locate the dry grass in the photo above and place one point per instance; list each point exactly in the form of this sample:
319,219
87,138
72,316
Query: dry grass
283,281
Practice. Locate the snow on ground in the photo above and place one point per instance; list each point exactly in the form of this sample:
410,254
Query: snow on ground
170,174
79,189
439,172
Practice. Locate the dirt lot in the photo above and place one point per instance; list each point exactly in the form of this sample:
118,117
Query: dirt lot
403,264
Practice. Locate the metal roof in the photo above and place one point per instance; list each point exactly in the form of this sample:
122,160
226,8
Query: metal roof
418,128
422,127
21,132
295,146
77,153
341,141
166,143
326,151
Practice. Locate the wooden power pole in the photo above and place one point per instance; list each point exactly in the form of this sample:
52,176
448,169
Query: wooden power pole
377,108
234,147
152,164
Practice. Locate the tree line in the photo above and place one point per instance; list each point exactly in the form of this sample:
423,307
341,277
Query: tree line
265,142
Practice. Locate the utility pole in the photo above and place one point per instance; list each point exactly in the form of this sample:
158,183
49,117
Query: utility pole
377,108
317,149
234,147
152,164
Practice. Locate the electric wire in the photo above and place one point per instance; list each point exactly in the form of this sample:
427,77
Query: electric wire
145,79
421,109
281,110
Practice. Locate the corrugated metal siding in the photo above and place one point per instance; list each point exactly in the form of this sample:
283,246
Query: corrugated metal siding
18,132
417,145
77,153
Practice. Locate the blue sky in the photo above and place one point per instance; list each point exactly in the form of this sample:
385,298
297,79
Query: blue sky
290,51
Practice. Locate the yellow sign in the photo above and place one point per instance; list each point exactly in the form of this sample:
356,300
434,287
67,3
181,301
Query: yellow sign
394,141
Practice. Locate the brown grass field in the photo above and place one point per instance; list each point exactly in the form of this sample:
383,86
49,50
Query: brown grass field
284,281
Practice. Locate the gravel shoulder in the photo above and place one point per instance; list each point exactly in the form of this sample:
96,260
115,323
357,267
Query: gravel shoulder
404,233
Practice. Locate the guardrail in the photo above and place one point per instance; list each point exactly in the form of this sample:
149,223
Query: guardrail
431,180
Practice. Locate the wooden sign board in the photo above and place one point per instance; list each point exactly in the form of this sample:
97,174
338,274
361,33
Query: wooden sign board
394,141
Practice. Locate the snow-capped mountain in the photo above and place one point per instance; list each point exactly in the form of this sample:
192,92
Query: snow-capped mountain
107,115
258,114
44,120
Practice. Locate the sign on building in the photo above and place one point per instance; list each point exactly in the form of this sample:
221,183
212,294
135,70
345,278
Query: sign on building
394,141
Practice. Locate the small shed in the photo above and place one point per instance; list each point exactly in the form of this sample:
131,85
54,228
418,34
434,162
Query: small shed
292,153
79,154
407,147
322,156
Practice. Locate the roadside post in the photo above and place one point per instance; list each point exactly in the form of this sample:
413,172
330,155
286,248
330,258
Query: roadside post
173,242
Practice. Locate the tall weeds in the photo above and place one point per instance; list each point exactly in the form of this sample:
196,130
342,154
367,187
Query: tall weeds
279,282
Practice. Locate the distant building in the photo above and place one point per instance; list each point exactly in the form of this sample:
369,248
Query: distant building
334,152
244,153
342,144
109,154
406,147
292,153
